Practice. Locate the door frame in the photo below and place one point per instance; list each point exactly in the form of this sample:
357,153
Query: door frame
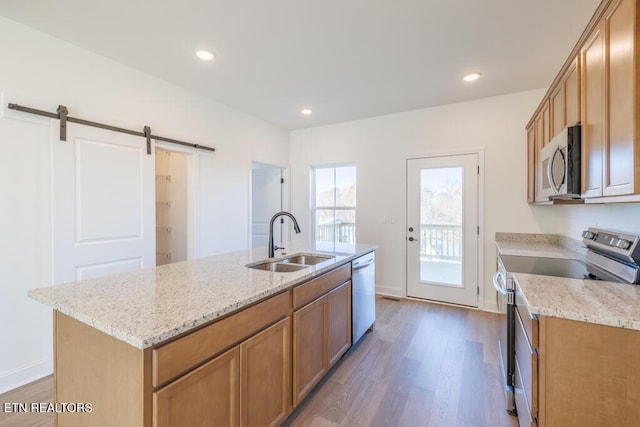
192,192
286,188
413,156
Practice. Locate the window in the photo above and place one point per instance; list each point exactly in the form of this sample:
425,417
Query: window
334,207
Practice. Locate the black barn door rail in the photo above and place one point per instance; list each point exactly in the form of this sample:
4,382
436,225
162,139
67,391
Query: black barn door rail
62,114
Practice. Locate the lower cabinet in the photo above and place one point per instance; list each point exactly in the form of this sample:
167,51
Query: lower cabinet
265,376
207,396
321,335
249,385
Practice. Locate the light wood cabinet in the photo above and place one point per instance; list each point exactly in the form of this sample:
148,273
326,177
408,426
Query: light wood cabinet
599,86
610,151
571,88
593,99
321,335
309,348
265,376
245,369
208,396
338,322
532,159
572,374
621,152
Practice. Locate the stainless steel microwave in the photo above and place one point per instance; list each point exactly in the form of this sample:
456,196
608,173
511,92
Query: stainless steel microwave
559,166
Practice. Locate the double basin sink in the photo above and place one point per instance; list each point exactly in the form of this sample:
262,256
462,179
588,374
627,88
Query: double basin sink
292,263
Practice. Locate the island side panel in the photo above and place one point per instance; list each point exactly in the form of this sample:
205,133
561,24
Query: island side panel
93,367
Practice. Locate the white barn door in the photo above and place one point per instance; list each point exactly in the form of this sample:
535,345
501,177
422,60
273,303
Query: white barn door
103,204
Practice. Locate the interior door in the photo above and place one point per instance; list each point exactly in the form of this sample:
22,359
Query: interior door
103,204
442,229
266,200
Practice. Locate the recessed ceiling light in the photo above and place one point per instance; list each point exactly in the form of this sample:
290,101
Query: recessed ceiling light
205,55
306,111
471,77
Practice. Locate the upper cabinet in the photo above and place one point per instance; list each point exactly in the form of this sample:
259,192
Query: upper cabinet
597,87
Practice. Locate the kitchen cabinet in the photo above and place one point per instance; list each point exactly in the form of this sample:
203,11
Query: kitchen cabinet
621,155
321,329
565,100
541,138
248,385
593,97
598,87
532,158
573,373
265,376
210,395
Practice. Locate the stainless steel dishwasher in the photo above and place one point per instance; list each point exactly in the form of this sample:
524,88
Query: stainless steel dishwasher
363,301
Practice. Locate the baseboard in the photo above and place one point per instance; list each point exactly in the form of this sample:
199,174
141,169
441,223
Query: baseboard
25,374
392,292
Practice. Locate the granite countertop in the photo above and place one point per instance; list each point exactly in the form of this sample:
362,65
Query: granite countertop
539,245
146,307
592,301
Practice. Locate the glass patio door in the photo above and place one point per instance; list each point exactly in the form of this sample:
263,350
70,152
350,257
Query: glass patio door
442,229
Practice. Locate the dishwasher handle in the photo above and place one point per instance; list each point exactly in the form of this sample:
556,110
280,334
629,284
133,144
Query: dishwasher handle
355,266
496,284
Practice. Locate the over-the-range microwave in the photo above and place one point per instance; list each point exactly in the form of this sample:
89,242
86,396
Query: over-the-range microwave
559,165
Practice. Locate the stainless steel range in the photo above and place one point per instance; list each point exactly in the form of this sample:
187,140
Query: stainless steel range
611,256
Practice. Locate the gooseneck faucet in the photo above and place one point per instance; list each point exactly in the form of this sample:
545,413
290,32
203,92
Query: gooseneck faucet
296,228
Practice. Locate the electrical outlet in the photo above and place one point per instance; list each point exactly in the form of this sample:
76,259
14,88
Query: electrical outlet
388,219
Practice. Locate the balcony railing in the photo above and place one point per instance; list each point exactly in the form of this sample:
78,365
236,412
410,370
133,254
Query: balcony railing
440,242
345,232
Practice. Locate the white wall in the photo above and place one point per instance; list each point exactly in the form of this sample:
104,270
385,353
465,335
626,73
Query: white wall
41,72
380,145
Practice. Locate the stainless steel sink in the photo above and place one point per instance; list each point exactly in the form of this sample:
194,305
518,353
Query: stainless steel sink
292,263
278,267
306,259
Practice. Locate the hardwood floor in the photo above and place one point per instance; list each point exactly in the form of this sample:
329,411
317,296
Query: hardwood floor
423,365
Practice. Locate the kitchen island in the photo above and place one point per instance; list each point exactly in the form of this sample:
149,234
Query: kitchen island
207,340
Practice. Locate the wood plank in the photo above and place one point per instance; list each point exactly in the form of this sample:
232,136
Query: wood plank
178,356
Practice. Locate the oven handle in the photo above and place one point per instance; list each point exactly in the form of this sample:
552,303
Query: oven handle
497,285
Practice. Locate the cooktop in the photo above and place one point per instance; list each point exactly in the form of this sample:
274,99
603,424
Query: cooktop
558,267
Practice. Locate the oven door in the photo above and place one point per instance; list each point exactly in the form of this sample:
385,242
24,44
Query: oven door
506,336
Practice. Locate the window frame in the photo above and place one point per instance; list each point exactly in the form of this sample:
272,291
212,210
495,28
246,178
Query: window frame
334,207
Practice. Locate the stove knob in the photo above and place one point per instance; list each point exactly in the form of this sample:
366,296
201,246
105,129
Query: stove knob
623,244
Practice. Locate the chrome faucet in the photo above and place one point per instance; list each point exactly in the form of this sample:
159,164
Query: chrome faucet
273,248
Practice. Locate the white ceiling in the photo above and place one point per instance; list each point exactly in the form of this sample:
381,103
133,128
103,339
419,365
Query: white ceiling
346,59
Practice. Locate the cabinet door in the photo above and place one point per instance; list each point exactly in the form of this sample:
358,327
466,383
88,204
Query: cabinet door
309,347
265,376
208,396
541,139
593,113
557,114
571,84
619,56
532,158
339,322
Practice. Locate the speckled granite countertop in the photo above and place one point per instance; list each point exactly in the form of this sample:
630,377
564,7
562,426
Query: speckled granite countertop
592,301
539,245
147,307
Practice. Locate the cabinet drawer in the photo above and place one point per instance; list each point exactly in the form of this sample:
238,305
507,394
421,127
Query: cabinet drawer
522,404
529,321
527,375
312,289
176,357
